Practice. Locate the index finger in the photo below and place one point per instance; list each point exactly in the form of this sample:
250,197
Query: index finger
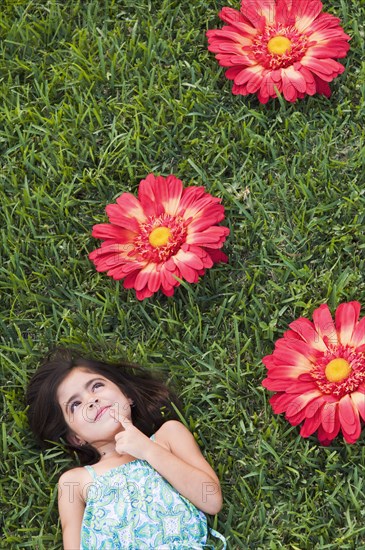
120,417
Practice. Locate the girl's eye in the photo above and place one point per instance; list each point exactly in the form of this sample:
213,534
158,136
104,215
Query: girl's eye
73,405
97,385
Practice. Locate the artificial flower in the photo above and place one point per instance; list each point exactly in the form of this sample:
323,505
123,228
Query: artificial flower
318,373
285,46
169,232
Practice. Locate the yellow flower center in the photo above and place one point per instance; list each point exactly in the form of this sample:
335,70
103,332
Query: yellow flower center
279,45
159,236
337,370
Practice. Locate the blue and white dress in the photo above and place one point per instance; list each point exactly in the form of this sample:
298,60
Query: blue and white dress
132,507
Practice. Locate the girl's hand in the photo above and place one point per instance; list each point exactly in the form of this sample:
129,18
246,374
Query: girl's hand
130,440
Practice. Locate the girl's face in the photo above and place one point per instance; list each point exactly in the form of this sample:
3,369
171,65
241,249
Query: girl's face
85,398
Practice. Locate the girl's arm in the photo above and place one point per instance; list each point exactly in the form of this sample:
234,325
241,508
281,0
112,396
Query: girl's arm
177,457
71,507
187,470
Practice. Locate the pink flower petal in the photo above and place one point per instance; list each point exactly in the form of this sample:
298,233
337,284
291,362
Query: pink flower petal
210,215
128,203
237,20
347,317
200,206
296,78
289,90
187,271
130,279
259,12
358,337
280,402
349,416
168,279
149,196
144,293
158,194
154,281
326,69
301,401
144,276
294,351
358,402
113,232
117,217
324,325
112,254
310,425
189,258
311,87
329,419
123,270
307,12
168,291
214,256
322,87
305,329
213,237
289,373
190,197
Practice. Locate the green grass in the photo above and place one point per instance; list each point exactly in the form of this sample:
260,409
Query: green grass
94,96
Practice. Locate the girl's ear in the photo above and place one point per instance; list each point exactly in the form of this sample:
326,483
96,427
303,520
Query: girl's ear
74,439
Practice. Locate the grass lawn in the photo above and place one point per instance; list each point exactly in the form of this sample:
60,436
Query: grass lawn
94,96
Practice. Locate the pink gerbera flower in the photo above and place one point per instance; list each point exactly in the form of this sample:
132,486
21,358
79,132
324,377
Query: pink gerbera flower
168,232
288,46
318,372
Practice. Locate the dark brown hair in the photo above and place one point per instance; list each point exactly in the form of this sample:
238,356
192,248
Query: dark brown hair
153,400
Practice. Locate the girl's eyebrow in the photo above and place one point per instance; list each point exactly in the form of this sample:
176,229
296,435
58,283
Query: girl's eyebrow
86,386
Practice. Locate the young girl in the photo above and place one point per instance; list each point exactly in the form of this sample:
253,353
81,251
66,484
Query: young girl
149,484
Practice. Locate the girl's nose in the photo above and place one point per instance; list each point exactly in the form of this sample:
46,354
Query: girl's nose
93,402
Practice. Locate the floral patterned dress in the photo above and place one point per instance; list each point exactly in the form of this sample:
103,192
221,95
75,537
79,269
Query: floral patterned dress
132,507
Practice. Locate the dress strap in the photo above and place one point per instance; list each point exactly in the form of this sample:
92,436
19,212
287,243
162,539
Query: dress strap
152,437
217,535
91,471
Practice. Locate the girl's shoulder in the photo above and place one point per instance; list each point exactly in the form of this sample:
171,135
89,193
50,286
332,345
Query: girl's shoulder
76,478
169,431
73,484
171,426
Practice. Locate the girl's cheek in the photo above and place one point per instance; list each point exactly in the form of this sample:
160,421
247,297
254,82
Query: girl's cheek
73,416
86,415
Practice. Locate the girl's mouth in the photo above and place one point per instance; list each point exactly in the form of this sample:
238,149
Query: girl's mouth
101,412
